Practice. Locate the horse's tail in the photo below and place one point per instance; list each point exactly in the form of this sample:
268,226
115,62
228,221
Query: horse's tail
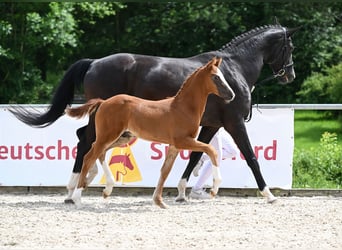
87,108
64,95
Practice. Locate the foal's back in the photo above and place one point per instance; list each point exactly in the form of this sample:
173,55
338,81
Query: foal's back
149,120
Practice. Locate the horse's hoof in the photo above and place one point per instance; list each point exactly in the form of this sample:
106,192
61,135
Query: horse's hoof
69,201
181,199
105,196
272,200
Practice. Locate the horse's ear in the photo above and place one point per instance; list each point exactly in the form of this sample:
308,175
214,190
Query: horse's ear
276,21
291,31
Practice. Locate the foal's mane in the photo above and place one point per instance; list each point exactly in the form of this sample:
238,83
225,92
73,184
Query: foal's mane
247,35
186,81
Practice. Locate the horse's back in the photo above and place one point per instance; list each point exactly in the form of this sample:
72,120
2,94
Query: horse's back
148,77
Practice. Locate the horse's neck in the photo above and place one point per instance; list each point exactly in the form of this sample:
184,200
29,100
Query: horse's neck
247,59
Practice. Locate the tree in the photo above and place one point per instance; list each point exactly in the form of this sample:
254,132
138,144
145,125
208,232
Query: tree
37,38
39,41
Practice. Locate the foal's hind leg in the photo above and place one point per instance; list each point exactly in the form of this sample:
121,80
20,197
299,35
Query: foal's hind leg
109,177
125,138
92,173
88,161
164,173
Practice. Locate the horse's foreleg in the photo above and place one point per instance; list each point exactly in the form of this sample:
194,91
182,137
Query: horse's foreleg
239,134
164,173
268,195
205,136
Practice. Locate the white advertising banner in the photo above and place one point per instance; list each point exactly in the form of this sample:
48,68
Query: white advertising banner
45,156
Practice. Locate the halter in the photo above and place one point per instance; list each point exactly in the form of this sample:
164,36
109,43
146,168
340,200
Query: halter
282,71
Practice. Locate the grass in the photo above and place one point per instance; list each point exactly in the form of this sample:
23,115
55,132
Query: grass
310,125
317,164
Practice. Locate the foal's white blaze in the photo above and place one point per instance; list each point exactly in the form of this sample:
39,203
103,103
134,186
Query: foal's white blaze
223,80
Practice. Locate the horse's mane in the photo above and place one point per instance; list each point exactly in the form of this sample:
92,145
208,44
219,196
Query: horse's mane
247,35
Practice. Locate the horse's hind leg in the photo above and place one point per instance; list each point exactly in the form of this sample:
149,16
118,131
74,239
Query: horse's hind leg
164,173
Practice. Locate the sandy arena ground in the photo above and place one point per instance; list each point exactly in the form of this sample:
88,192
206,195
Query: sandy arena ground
43,221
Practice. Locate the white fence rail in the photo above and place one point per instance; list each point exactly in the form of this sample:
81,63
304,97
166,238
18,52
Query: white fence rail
302,106
337,106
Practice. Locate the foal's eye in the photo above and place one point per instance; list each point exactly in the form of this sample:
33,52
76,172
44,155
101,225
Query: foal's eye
216,77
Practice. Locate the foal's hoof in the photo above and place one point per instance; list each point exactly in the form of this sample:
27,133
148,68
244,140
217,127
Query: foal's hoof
69,201
213,193
105,196
162,205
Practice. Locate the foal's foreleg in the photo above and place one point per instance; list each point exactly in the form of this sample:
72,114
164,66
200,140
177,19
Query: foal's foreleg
191,144
164,173
217,180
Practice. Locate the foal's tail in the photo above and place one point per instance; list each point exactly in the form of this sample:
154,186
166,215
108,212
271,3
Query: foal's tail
88,108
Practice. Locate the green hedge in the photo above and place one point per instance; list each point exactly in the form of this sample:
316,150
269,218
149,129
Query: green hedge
319,167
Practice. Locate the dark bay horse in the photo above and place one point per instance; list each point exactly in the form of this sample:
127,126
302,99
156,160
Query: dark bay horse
177,120
155,78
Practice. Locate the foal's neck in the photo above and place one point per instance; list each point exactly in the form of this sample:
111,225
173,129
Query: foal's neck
192,97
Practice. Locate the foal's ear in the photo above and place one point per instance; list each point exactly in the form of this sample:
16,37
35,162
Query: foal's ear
218,61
